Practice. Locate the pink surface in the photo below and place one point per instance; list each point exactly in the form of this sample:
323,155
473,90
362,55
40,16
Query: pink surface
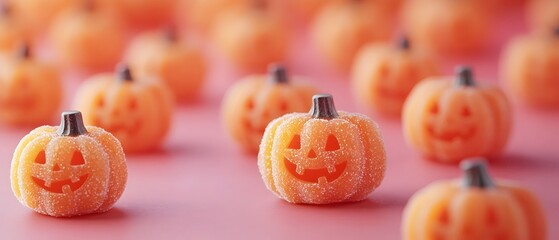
200,186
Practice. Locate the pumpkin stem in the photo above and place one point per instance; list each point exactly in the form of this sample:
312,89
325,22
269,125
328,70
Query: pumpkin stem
5,9
277,73
323,107
404,43
88,5
556,31
464,77
123,73
24,51
170,33
475,174
71,124
260,4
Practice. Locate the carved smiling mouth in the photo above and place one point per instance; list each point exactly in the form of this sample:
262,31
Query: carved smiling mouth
58,186
313,175
451,135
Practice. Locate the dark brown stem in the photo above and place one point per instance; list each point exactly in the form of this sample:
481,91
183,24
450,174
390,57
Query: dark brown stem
123,73
475,174
5,9
404,43
277,73
464,77
71,124
323,107
24,51
556,31
170,34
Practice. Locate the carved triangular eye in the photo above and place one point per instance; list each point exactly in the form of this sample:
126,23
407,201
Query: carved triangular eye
295,142
41,158
77,158
332,143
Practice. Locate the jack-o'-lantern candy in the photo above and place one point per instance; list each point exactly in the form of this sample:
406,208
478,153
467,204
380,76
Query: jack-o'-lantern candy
180,65
12,32
137,111
449,120
383,75
252,37
88,37
144,13
543,14
323,156
202,14
69,170
447,27
30,90
474,207
254,102
530,67
37,15
343,27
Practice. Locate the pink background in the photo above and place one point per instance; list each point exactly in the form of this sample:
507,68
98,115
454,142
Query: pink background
201,186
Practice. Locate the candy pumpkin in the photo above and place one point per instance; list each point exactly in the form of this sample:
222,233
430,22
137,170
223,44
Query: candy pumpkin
543,14
37,15
137,111
12,32
202,14
30,90
449,120
384,74
530,68
68,170
145,13
447,27
252,37
343,27
163,54
87,37
323,156
474,207
255,101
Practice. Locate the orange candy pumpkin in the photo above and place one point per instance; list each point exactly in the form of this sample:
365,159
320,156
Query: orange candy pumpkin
474,207
449,120
37,15
145,13
383,75
343,27
254,102
323,156
87,37
30,90
68,170
252,37
137,111
543,14
202,14
12,32
530,66
447,27
180,65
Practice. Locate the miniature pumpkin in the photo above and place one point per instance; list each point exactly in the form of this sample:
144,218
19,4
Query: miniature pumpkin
252,37
30,90
202,14
530,67
323,156
451,120
145,13
37,15
137,111
68,170
543,14
254,102
180,65
474,207
88,37
343,27
12,32
383,75
447,27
